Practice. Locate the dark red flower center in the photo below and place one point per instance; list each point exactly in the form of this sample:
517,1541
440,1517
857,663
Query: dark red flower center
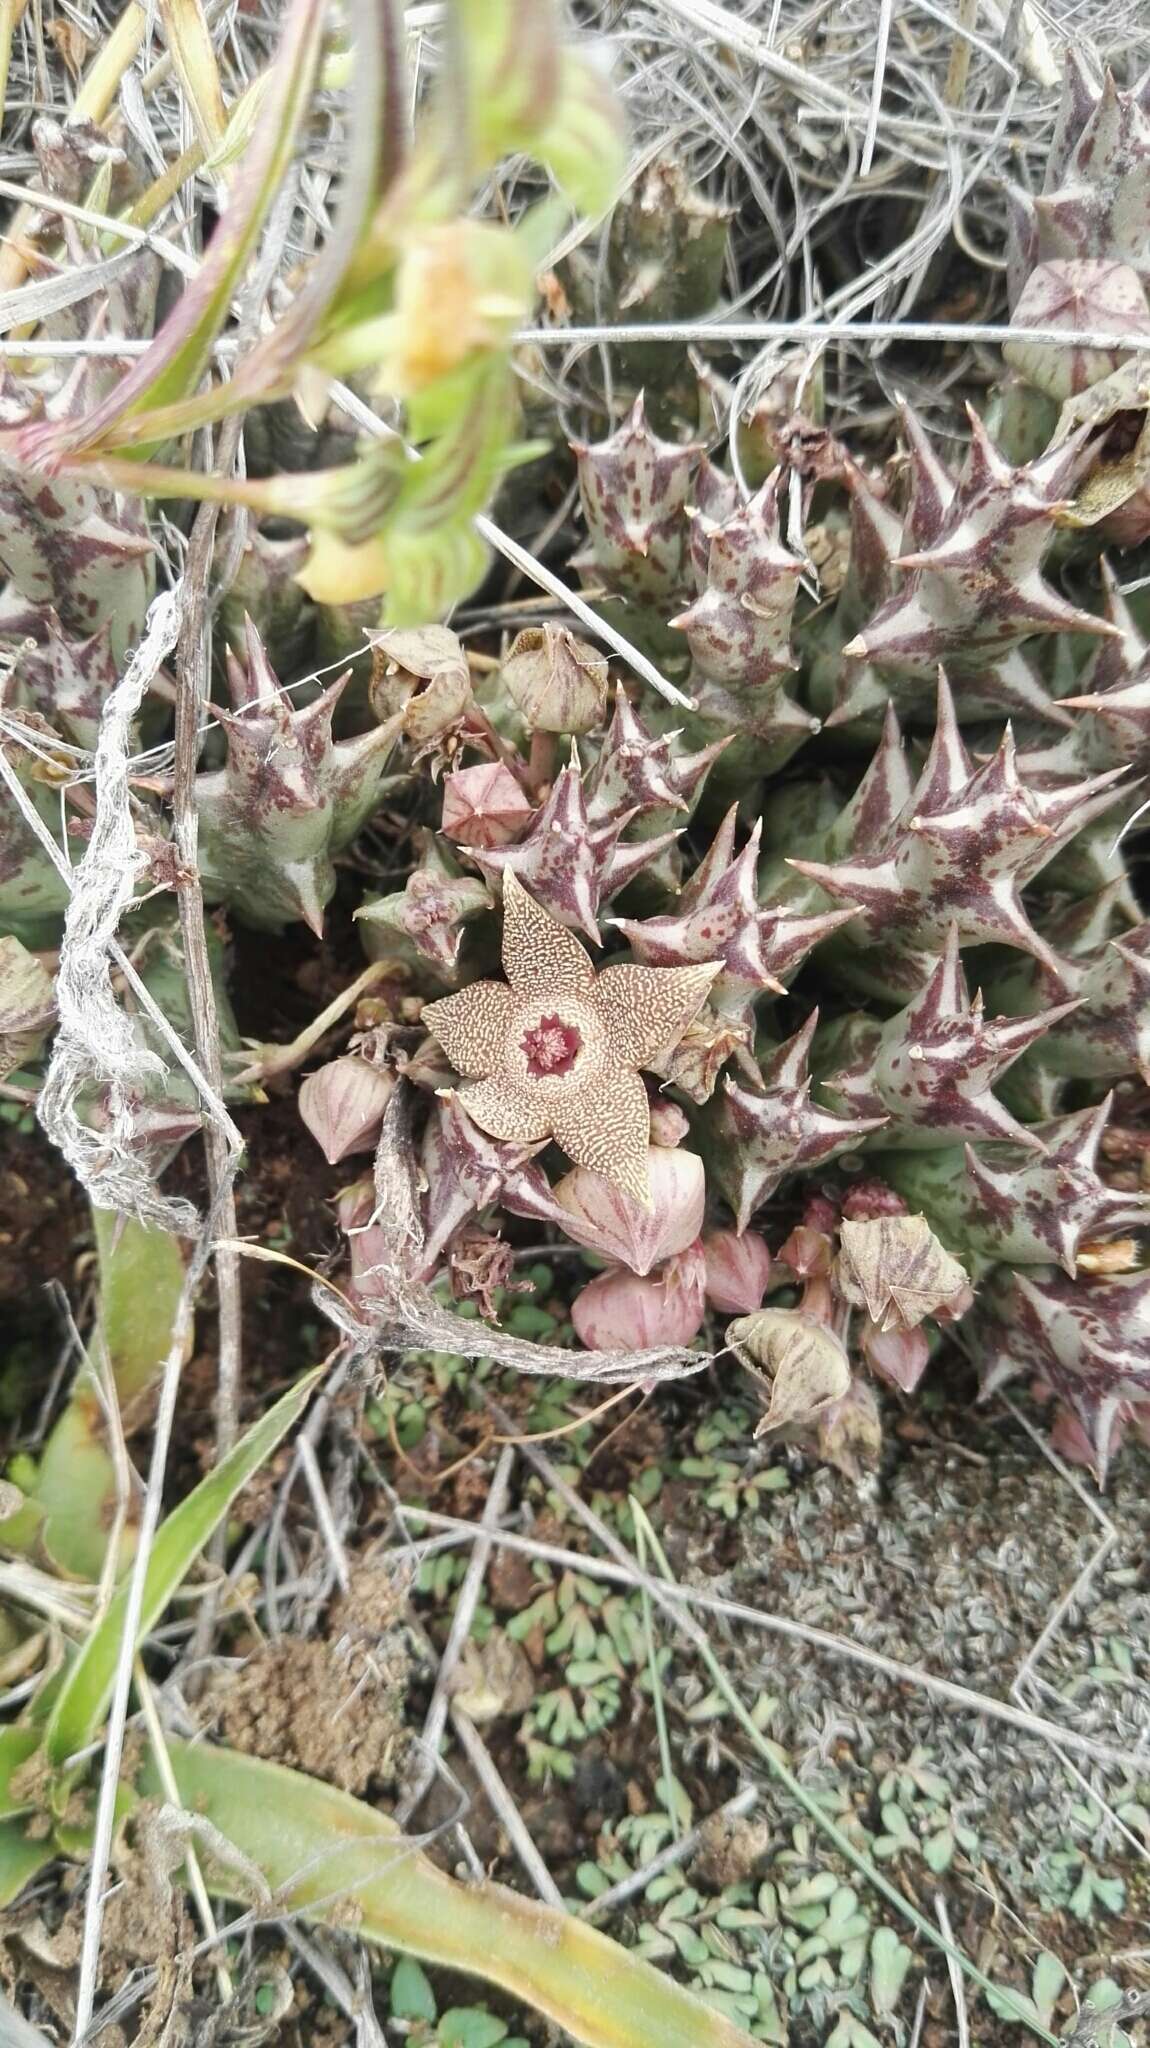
551,1047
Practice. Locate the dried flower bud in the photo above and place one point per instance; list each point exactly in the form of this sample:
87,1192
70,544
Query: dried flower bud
557,682
620,1311
600,1216
895,1268
668,1124
738,1270
367,1243
849,1433
420,678
27,1007
803,1360
899,1356
484,806
342,1105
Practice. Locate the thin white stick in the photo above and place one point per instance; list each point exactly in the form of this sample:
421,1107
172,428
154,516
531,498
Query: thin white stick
886,9
681,331
488,1775
167,1779
133,1608
323,1514
546,579
461,1620
958,1989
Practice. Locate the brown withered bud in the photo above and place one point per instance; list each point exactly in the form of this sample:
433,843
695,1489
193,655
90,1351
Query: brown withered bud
802,1359
484,806
895,1268
557,682
342,1105
849,1433
27,1007
420,679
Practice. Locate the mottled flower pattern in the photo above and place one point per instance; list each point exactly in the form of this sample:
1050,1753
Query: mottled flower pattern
555,1051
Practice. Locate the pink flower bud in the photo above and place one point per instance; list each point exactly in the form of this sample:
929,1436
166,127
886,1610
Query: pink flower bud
738,1269
870,1198
807,1251
900,1356
366,1242
600,1216
1070,1440
620,1311
484,806
342,1105
668,1124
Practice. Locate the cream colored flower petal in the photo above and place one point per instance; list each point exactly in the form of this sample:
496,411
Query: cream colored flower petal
607,1126
504,1111
646,1010
540,957
472,1027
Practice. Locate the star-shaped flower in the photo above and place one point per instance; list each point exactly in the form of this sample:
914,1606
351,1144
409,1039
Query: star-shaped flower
554,1051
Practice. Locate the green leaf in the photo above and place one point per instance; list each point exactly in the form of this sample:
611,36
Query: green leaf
1045,1985
16,1746
322,1852
938,1851
1008,2004
20,1859
141,1281
465,2026
83,1698
412,1997
890,1959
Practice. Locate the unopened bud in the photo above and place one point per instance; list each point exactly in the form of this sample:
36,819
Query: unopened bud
604,1219
738,1270
368,1246
484,806
557,682
342,1105
899,1356
621,1311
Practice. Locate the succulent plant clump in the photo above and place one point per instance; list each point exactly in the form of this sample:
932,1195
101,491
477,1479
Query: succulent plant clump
826,995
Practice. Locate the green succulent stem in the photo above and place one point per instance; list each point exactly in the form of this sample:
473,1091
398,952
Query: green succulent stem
331,1856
